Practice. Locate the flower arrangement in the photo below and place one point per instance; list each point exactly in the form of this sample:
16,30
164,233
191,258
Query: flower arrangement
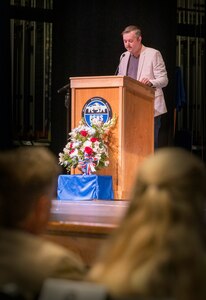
87,147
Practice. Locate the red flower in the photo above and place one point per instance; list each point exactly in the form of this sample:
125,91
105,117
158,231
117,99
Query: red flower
71,151
93,139
88,150
83,132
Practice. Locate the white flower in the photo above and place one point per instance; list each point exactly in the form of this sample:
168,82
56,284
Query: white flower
61,158
87,144
97,122
74,153
106,163
91,131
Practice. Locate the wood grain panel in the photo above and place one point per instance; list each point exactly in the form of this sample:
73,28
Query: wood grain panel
133,137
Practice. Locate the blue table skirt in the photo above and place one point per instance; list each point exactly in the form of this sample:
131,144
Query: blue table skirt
85,187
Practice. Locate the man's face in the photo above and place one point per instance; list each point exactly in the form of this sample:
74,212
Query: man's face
131,42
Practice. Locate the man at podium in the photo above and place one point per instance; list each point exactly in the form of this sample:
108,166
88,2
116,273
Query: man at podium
146,65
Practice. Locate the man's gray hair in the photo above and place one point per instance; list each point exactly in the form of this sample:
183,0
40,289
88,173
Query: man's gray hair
134,28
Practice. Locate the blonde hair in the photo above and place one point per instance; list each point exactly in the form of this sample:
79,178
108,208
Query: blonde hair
159,248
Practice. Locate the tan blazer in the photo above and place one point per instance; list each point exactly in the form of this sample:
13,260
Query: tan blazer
27,260
151,65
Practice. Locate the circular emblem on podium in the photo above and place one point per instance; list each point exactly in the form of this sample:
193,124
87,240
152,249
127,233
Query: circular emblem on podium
96,108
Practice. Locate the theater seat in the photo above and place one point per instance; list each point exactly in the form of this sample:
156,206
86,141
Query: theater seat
60,289
10,292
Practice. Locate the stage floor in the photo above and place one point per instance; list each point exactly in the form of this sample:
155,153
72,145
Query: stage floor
83,225
91,211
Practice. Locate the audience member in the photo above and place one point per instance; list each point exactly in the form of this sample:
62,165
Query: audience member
158,250
28,178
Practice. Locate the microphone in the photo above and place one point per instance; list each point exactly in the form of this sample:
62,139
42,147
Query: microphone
117,69
63,89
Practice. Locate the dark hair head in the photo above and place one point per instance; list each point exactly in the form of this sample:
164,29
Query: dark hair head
26,173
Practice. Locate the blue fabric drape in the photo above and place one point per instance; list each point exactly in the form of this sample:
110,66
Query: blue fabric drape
84,187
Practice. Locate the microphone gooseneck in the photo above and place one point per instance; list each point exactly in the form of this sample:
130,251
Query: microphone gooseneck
117,69
63,89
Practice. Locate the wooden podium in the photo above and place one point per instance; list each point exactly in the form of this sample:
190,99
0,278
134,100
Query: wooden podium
133,135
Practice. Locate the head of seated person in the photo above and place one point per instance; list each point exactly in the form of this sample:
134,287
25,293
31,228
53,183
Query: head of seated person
28,178
28,183
159,248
